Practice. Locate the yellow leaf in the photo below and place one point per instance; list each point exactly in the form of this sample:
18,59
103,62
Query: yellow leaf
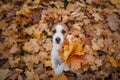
113,62
71,47
62,77
54,78
115,1
66,55
36,35
45,2
68,49
79,49
55,15
85,68
47,63
11,31
36,1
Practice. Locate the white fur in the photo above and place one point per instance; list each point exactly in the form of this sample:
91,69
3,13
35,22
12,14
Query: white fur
57,63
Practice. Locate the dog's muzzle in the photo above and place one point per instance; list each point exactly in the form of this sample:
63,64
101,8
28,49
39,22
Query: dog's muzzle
57,40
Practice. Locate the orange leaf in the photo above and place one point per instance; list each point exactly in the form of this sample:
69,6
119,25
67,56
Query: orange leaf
74,63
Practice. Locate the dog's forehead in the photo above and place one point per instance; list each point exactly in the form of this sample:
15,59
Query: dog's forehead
59,27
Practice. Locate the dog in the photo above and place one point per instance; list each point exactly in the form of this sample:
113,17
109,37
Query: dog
58,38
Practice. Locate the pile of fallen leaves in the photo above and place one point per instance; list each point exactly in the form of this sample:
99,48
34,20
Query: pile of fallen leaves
26,38
74,56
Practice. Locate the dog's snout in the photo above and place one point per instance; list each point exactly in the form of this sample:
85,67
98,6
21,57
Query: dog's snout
58,40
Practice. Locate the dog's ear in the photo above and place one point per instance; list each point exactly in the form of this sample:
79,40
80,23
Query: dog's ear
65,27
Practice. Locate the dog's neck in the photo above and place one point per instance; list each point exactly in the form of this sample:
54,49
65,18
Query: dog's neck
57,46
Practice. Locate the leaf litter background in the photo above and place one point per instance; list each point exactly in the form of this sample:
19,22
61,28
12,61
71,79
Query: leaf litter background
26,32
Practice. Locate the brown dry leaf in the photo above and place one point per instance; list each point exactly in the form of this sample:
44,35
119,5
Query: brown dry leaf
100,42
86,21
14,62
32,46
36,1
113,22
36,17
89,58
14,48
4,73
3,24
66,19
95,46
29,30
14,76
29,75
40,69
47,63
45,2
86,40
62,77
74,63
62,12
77,27
98,62
31,59
6,7
26,10
115,1
97,17
45,76
113,62
36,77
71,7
48,45
42,26
58,4
20,77
43,56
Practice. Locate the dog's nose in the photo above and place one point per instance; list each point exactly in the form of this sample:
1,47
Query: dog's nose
57,39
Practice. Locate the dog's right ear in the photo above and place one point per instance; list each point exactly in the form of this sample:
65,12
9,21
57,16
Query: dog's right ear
54,31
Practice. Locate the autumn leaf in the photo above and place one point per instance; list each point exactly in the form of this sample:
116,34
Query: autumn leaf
78,50
32,46
96,16
47,63
26,38
115,1
113,62
5,73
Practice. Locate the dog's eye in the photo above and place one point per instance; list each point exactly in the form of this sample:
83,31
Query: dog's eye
54,31
63,31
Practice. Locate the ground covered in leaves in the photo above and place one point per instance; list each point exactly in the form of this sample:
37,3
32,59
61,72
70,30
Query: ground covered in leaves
26,37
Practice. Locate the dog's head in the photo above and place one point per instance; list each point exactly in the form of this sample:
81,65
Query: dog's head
58,36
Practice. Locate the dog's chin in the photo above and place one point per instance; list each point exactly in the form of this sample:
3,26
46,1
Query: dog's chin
58,42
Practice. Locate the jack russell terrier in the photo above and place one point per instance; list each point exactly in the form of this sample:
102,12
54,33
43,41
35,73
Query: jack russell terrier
58,38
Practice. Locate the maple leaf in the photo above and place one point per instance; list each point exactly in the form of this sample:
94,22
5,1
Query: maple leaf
31,46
